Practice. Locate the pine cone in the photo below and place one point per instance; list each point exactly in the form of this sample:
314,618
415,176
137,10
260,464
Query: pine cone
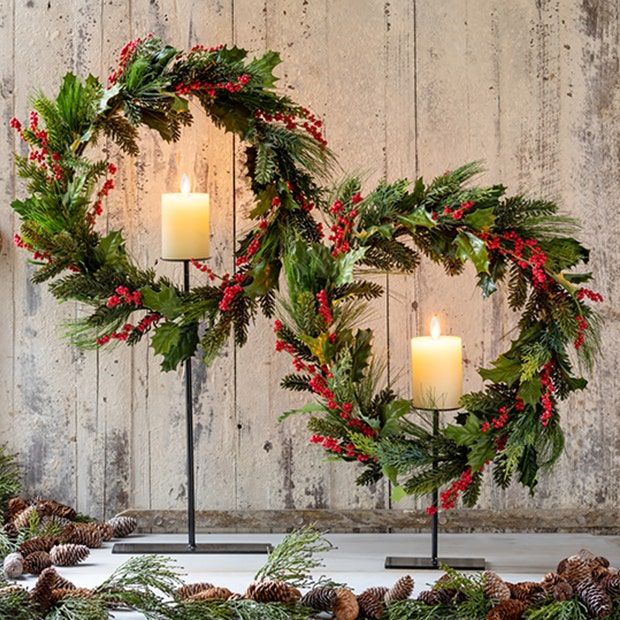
212,594
400,591
585,554
59,594
37,562
14,565
50,507
53,521
320,598
272,591
40,543
41,593
495,587
346,606
371,602
507,610
527,591
9,529
105,529
611,584
187,591
69,555
575,569
22,519
82,535
562,591
122,526
595,598
16,505
63,584
235,596
432,597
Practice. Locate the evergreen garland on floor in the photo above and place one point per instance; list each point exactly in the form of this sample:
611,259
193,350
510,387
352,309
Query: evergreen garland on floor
512,426
583,586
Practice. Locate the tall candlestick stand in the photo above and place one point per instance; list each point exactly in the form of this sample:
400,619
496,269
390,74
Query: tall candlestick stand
435,562
191,546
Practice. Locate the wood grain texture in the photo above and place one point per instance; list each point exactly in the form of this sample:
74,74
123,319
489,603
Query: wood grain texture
405,88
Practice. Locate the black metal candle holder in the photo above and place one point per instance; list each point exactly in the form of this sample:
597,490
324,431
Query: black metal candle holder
191,546
434,562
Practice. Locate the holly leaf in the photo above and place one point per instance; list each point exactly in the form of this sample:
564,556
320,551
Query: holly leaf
418,217
530,391
175,342
480,219
165,301
486,284
110,248
481,446
345,264
473,248
464,435
391,413
505,370
398,493
264,67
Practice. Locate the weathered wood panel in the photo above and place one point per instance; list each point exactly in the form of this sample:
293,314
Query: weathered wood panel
405,88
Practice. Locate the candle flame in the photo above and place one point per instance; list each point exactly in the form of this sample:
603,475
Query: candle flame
435,328
185,185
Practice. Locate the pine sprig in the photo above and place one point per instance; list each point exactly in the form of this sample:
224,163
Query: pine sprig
294,559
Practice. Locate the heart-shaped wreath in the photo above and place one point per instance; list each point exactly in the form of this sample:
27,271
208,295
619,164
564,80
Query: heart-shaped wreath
513,424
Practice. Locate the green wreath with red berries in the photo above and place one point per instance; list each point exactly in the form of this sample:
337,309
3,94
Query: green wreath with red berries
512,425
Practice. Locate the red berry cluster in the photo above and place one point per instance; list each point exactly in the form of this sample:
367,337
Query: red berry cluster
205,269
230,292
586,293
526,253
339,446
36,255
310,123
106,188
38,141
208,50
459,212
501,420
449,497
546,400
324,307
211,89
124,295
125,56
341,229
122,335
582,327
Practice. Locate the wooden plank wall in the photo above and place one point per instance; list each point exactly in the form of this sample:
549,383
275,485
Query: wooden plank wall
405,87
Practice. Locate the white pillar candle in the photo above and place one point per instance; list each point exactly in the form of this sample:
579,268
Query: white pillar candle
436,370
185,224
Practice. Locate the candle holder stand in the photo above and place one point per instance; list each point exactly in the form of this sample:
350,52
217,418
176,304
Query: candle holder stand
191,546
434,562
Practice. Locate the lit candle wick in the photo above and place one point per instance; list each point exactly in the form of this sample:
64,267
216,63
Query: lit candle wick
185,185
435,328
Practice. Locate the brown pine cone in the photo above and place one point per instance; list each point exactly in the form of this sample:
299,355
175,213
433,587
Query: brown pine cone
346,606
82,535
562,591
400,591
611,584
575,569
527,591
105,529
63,584
187,591
68,554
9,529
37,562
372,603
41,593
320,598
22,519
585,554
235,596
40,543
495,587
61,593
432,597
595,598
212,594
122,526
16,505
272,591
550,580
507,610
50,507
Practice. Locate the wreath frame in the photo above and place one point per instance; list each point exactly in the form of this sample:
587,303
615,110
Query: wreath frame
525,243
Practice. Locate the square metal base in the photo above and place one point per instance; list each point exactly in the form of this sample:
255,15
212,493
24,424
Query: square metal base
176,548
428,564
